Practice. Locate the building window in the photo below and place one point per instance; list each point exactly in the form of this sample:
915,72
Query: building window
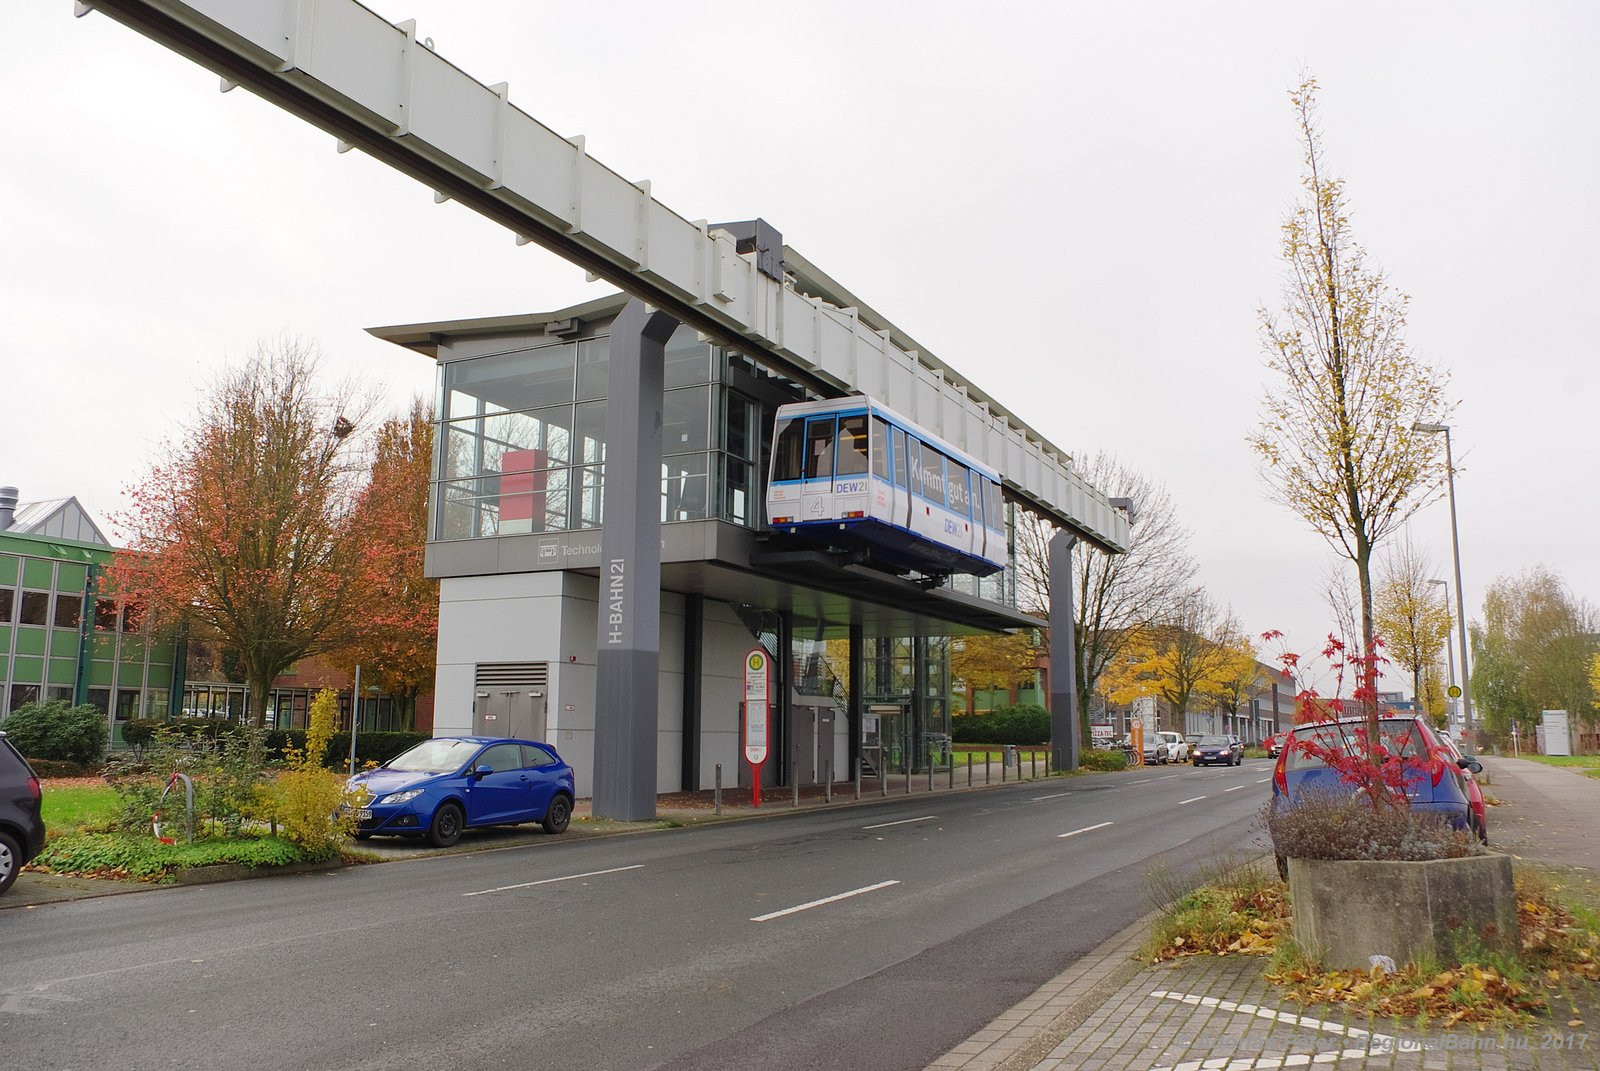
35,608
8,598
68,609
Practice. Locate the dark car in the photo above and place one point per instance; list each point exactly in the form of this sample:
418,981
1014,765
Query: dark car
1219,751
451,783
21,827
1274,744
1435,778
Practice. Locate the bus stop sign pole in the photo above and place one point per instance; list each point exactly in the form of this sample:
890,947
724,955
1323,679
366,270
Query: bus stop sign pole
757,696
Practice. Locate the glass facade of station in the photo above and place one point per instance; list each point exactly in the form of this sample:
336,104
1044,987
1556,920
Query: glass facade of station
521,442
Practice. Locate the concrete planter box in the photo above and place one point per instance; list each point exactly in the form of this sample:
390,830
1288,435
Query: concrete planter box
1440,911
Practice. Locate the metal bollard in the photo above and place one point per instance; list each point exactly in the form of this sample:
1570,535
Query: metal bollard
969,769
857,780
1003,765
717,796
827,781
988,769
1033,765
794,775
930,773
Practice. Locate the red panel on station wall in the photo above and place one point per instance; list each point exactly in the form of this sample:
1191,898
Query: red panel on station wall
522,484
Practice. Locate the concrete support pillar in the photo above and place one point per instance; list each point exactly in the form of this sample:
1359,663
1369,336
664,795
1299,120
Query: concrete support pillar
628,633
1063,656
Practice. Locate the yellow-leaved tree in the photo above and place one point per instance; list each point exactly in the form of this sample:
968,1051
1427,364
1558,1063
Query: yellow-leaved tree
1412,614
1341,437
310,804
1185,658
985,663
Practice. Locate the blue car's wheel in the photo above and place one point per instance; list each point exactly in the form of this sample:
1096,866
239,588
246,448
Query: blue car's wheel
445,829
559,814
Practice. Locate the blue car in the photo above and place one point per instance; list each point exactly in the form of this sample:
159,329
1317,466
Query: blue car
451,783
1434,780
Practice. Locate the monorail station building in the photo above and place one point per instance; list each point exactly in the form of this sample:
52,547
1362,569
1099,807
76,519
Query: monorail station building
855,610
615,575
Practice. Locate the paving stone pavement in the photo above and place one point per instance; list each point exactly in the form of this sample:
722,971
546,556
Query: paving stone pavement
1108,1012
1217,1013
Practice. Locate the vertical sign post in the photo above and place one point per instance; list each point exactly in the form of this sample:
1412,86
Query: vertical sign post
756,678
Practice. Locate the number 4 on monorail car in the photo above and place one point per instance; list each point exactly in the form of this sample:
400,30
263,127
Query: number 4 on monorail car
851,472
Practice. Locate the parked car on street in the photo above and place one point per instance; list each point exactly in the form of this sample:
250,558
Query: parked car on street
452,783
21,827
1480,808
1156,750
1274,744
1436,780
1219,751
1177,748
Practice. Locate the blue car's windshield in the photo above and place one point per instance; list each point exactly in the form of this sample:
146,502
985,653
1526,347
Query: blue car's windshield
1215,741
434,756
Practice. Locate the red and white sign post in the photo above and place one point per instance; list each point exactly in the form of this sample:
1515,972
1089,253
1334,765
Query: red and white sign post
756,697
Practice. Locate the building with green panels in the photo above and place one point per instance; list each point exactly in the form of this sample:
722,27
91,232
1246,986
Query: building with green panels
60,639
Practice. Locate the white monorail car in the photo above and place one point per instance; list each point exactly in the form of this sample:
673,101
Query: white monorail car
851,472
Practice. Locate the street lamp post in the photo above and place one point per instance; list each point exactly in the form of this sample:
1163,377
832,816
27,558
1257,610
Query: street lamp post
1449,652
1455,552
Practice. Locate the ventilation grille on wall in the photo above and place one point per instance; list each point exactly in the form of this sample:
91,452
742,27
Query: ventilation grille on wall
513,674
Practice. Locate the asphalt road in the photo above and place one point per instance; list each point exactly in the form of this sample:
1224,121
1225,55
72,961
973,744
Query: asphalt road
867,936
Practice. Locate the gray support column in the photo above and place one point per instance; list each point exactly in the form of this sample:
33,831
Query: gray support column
628,633
783,702
694,618
1063,657
857,663
917,749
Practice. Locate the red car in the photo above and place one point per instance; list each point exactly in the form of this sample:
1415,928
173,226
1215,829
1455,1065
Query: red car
1480,810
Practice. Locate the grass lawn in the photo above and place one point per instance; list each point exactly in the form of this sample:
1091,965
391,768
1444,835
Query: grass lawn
1587,762
70,807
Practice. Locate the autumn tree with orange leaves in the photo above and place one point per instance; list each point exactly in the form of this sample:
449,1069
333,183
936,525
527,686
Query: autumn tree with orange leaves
396,641
245,534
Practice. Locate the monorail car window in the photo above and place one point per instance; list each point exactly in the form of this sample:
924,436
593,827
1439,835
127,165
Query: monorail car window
994,511
880,448
819,448
932,464
957,494
788,450
852,457
980,486
900,479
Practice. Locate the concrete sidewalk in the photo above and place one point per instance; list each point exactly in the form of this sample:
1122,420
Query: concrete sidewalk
1108,1012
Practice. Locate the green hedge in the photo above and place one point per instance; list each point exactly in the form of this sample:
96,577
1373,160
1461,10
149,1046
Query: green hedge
1023,725
370,746
57,730
1095,759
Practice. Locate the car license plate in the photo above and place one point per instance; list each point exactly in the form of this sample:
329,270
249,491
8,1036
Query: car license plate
364,814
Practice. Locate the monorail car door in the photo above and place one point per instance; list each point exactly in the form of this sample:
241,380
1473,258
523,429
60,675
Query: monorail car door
816,488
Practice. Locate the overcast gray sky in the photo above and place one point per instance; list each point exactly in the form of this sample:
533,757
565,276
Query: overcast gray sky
1076,205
